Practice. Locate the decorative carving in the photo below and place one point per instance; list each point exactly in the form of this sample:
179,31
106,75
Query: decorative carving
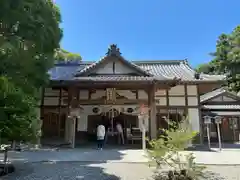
113,51
110,95
95,110
130,110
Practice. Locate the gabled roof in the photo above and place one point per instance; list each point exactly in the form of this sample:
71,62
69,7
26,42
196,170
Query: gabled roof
157,70
113,51
218,92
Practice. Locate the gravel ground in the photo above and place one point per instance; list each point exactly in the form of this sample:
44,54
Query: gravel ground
225,172
79,170
103,171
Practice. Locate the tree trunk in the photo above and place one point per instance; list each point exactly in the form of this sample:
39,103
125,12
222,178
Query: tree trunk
5,156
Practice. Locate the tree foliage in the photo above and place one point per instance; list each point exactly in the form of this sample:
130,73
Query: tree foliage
226,59
29,35
16,112
63,55
166,152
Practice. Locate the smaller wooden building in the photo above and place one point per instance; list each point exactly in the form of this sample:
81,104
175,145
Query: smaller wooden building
221,102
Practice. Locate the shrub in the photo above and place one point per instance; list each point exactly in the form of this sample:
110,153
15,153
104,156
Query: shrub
166,152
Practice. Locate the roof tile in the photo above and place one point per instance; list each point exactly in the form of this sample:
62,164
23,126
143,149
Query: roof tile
161,70
221,107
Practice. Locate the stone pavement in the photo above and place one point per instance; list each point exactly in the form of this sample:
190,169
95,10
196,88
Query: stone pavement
225,157
216,157
114,164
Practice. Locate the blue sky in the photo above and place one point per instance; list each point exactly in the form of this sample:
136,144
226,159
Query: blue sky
147,29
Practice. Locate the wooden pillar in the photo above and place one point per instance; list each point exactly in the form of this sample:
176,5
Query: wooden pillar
201,130
59,112
152,117
73,104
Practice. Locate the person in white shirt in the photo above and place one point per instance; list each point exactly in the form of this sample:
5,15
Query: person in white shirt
100,136
120,133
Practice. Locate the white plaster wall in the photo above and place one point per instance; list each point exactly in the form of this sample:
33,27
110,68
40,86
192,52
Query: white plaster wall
191,89
177,90
160,92
83,94
105,68
51,101
54,101
120,68
218,99
142,94
177,101
225,98
193,115
51,92
161,101
192,101
55,92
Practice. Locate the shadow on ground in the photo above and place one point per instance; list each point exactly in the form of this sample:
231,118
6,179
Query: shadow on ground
74,155
59,170
55,170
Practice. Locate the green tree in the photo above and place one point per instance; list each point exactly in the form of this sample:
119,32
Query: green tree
16,112
226,59
233,61
63,55
29,35
206,68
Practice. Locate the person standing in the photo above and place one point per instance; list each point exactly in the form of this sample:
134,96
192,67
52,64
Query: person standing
120,133
100,135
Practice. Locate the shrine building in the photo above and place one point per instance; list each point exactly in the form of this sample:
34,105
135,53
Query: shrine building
83,94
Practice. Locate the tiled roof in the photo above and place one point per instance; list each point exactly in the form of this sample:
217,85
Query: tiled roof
176,68
65,70
161,70
116,78
212,94
217,92
213,107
